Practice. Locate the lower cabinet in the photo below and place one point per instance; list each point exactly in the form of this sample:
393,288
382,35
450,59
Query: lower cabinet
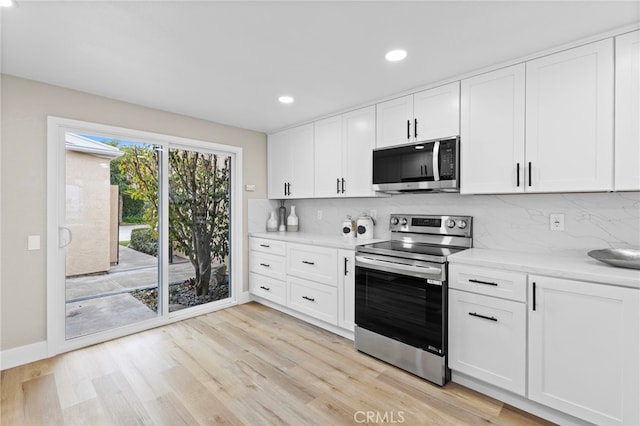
318,282
487,339
584,347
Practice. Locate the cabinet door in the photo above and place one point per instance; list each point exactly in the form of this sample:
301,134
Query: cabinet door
359,133
316,300
569,116
492,132
436,112
394,120
328,157
302,172
584,349
279,163
313,263
487,339
346,289
627,163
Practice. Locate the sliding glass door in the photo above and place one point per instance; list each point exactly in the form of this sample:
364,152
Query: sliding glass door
142,231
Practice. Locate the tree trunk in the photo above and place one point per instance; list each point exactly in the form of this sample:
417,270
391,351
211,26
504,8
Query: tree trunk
203,270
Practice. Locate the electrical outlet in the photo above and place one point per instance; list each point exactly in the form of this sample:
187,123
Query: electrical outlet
319,214
556,221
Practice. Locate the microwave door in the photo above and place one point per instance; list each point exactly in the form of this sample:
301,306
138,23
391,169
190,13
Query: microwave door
417,163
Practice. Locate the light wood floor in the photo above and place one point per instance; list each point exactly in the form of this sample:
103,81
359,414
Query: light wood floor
244,365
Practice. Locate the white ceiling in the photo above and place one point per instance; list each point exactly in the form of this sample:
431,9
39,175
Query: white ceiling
229,61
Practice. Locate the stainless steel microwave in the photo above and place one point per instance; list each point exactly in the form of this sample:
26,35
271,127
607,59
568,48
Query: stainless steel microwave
426,166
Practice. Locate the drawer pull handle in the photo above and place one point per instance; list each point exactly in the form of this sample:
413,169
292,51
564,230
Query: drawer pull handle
473,314
307,262
265,245
265,288
266,265
310,299
483,282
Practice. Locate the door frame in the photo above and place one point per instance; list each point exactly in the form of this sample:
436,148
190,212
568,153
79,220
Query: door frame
56,303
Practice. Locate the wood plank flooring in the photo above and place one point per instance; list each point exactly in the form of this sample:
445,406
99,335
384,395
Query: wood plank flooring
245,365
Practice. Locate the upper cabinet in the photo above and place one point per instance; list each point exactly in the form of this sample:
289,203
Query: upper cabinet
492,132
290,163
569,120
566,101
429,114
627,133
343,154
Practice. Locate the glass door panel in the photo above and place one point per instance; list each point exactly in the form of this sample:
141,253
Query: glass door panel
199,212
111,218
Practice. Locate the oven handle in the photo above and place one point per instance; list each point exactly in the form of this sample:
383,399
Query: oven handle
399,268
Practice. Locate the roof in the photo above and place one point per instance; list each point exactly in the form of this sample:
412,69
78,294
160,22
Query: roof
74,142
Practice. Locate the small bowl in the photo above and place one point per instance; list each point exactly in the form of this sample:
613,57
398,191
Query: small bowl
622,258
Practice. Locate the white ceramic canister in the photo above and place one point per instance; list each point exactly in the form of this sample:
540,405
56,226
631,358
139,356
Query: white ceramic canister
349,228
365,226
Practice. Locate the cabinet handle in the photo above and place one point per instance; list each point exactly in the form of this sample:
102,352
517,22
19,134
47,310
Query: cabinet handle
343,185
345,266
289,188
265,245
534,296
307,262
473,314
518,175
310,299
266,265
285,189
415,128
265,288
529,173
408,129
337,185
483,282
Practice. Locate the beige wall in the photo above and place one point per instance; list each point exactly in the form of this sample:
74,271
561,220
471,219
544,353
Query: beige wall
88,207
25,107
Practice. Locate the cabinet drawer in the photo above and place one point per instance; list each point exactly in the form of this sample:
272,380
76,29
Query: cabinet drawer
316,300
492,282
313,263
267,264
268,288
487,339
267,246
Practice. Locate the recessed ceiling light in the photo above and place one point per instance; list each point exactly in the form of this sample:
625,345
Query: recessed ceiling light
6,3
285,99
396,55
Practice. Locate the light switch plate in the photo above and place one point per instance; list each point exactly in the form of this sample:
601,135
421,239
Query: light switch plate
33,242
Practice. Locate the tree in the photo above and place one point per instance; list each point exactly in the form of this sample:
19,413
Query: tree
198,202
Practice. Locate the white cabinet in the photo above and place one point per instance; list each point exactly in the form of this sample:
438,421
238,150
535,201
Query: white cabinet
290,163
488,325
569,120
343,154
584,347
346,289
429,114
313,263
267,269
627,119
492,132
487,339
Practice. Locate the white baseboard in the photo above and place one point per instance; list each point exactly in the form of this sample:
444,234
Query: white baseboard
23,355
244,297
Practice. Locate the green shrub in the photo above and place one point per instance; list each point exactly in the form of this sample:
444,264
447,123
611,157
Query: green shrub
144,240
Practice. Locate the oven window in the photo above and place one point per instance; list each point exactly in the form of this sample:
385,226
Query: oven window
400,307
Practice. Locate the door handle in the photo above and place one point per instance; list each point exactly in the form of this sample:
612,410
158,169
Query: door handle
436,167
408,129
345,266
310,299
337,185
343,186
307,262
473,314
534,296
483,282
529,173
518,175
415,128
266,265
67,242
265,288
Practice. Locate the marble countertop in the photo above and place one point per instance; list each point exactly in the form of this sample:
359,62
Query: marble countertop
322,240
575,265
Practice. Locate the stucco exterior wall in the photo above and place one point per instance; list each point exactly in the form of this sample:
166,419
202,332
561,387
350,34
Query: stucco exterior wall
88,209
23,196
114,219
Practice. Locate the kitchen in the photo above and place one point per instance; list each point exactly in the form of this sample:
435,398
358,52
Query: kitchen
503,220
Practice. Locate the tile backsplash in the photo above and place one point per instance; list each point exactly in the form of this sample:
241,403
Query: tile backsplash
506,222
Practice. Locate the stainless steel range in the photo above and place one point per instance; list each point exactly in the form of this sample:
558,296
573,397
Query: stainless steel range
401,292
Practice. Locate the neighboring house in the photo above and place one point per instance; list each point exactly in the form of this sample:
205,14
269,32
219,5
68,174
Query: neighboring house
91,206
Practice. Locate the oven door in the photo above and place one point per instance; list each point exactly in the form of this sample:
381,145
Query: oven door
402,299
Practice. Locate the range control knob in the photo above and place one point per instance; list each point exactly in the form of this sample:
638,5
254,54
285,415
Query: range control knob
394,220
403,221
451,223
462,224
